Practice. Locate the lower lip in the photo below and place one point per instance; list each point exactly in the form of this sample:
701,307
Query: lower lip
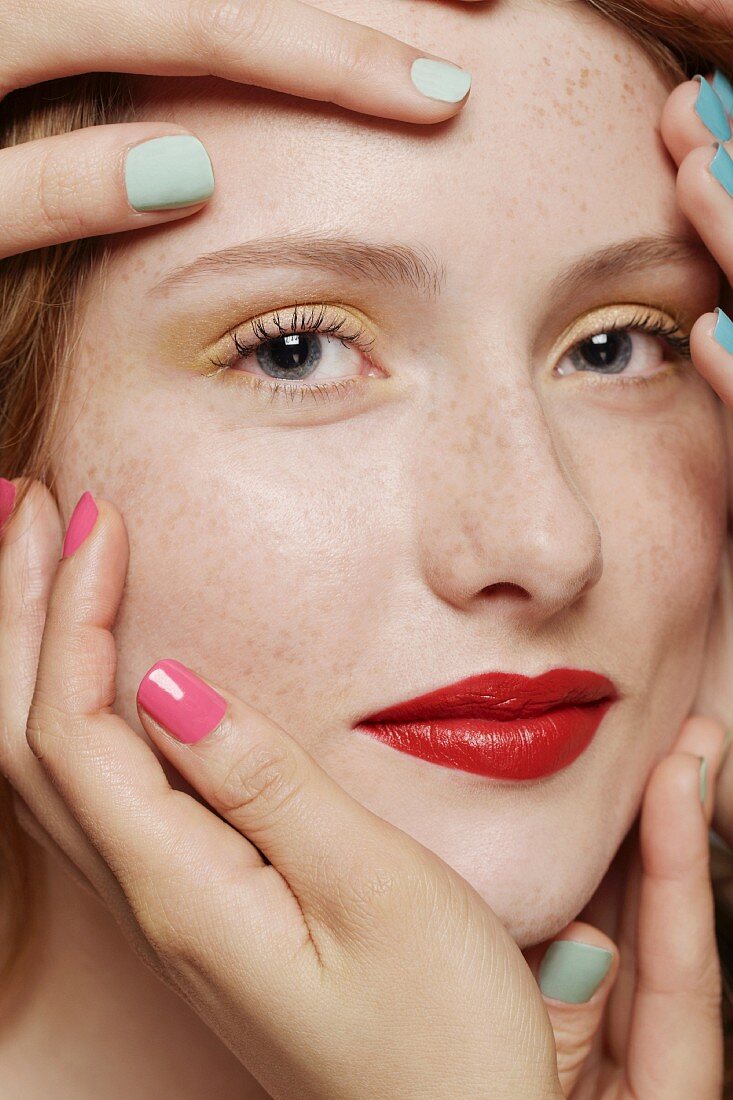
523,748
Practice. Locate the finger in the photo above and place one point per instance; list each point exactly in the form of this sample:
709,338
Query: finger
701,736
575,973
286,45
182,869
102,179
675,1042
694,115
722,820
29,552
705,196
267,786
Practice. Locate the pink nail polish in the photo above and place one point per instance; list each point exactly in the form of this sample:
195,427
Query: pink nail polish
180,701
82,520
7,500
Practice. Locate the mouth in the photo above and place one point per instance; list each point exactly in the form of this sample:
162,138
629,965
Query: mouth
500,725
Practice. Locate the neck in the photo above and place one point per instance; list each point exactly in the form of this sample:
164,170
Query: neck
109,1025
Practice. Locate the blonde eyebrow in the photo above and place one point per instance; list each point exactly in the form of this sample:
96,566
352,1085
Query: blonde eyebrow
390,264
417,267
637,254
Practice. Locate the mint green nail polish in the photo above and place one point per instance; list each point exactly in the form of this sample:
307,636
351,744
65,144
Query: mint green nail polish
572,971
703,779
726,741
712,112
721,167
167,172
723,89
723,333
440,80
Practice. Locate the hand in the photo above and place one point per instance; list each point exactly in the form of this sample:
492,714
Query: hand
73,184
705,202
661,1035
291,903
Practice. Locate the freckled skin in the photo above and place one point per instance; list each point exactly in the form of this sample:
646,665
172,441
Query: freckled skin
495,518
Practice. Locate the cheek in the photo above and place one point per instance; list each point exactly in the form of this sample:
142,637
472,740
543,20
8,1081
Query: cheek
662,514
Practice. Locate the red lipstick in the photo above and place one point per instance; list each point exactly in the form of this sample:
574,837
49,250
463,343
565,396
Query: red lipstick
500,724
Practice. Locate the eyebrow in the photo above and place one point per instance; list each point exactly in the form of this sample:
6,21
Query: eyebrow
417,267
390,264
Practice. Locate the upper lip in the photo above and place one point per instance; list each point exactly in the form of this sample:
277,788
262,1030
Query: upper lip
502,695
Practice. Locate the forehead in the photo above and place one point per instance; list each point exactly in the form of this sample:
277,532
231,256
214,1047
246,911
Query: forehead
557,150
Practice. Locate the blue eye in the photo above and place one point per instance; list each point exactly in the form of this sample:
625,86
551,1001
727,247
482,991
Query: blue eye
618,348
305,343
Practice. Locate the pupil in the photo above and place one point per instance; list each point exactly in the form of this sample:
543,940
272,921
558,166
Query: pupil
607,349
291,356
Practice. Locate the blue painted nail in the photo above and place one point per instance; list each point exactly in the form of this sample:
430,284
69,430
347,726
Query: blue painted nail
723,333
722,168
724,90
712,112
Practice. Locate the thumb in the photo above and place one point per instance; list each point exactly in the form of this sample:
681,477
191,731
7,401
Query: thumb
575,973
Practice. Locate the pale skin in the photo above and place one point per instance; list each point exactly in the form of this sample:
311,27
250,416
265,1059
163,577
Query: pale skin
470,511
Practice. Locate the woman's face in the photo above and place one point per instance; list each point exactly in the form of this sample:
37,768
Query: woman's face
462,507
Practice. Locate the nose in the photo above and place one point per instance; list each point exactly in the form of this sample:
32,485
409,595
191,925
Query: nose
501,516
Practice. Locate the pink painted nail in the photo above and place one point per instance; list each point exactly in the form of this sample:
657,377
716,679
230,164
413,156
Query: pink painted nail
7,500
180,701
82,520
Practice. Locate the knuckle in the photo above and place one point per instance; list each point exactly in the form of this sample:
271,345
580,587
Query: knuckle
166,918
56,207
230,30
356,61
264,779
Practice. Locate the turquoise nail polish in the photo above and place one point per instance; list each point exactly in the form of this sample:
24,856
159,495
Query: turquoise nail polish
722,168
439,80
703,779
572,971
712,112
723,333
723,89
167,172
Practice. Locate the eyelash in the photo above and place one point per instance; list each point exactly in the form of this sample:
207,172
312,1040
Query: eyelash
299,323
315,322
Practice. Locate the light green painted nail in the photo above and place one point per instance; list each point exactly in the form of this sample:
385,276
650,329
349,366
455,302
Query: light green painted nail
703,779
572,971
169,171
440,80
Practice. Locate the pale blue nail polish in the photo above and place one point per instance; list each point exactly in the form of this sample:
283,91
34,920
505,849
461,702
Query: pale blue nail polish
712,112
440,80
167,172
572,971
723,333
722,168
724,90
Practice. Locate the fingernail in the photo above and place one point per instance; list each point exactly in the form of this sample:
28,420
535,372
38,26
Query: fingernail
440,80
7,500
723,89
572,971
82,520
721,167
703,779
710,109
167,172
180,701
723,331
